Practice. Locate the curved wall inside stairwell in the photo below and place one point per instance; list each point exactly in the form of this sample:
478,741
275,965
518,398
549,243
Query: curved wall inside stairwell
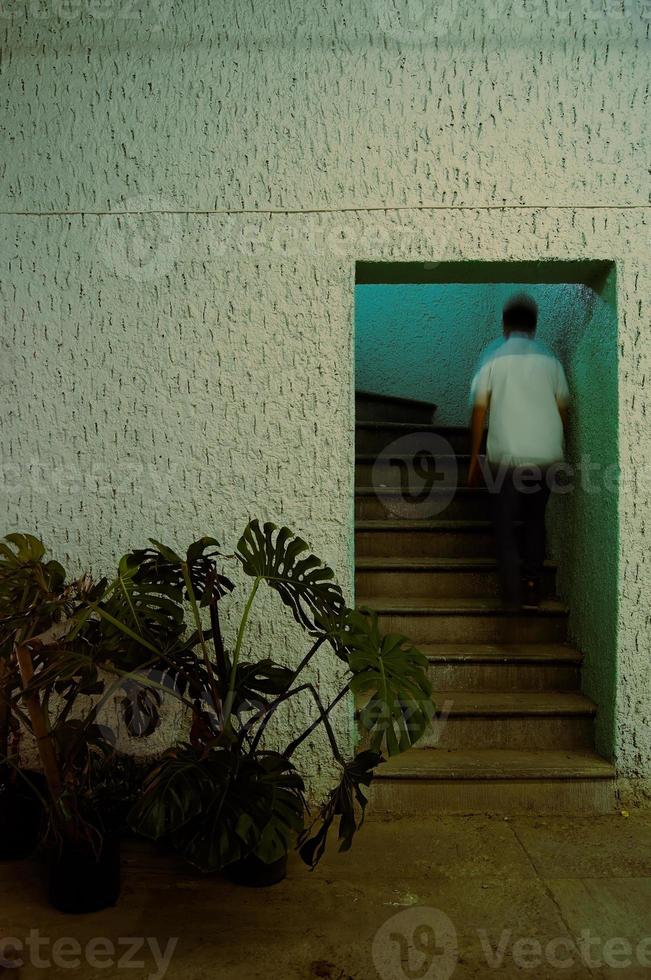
423,341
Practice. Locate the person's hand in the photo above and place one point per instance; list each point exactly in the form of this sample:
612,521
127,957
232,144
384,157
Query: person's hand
474,472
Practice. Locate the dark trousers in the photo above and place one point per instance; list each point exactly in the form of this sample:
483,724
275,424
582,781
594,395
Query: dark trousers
521,496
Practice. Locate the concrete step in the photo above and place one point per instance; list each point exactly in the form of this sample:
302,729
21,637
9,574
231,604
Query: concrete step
429,577
500,781
419,539
452,503
375,437
517,720
474,620
371,469
373,407
503,667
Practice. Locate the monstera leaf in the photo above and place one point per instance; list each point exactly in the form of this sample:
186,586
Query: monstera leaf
217,807
147,599
173,793
256,682
285,562
201,565
31,590
143,610
393,673
344,801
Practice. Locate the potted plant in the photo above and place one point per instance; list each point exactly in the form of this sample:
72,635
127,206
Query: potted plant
24,579
51,640
222,798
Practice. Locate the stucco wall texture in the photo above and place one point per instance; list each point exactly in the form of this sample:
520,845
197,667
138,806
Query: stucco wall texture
185,189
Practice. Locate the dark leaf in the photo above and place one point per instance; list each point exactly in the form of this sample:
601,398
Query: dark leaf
392,674
284,561
346,801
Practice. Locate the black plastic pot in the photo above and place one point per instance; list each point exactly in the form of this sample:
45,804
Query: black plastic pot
254,873
21,812
80,881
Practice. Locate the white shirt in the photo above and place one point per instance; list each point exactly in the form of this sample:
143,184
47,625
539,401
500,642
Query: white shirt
522,383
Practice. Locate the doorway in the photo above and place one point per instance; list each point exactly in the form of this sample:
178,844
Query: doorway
419,331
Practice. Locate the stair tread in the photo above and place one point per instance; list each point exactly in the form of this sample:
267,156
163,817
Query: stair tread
371,457
445,605
433,564
404,426
382,524
401,399
496,764
501,653
368,491
513,703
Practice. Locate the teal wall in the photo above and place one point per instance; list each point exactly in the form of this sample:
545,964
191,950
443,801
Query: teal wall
423,340
583,526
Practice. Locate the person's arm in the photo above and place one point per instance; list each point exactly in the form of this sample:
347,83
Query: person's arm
477,423
563,410
480,394
562,394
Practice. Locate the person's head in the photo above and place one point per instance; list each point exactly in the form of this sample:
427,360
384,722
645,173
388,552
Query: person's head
520,313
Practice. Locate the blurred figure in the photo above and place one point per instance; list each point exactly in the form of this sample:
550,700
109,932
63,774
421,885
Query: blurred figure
522,388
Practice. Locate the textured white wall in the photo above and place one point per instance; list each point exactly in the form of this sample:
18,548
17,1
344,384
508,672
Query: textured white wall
185,360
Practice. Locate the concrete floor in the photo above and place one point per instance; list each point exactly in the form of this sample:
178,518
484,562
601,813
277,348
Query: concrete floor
414,900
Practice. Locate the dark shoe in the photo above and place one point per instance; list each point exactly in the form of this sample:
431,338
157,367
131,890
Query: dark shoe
531,593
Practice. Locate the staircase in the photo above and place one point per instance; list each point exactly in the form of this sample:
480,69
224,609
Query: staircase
513,733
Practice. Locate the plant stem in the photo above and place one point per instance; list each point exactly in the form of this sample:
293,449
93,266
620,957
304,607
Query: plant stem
308,656
220,656
5,708
238,647
323,717
291,748
266,712
214,693
39,724
218,642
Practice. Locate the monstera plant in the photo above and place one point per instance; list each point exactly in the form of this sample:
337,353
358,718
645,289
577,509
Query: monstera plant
223,798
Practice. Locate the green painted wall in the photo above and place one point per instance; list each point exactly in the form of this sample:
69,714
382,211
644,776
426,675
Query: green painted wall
423,340
583,525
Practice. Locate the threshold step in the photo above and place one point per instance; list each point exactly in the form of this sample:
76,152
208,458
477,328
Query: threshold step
430,782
